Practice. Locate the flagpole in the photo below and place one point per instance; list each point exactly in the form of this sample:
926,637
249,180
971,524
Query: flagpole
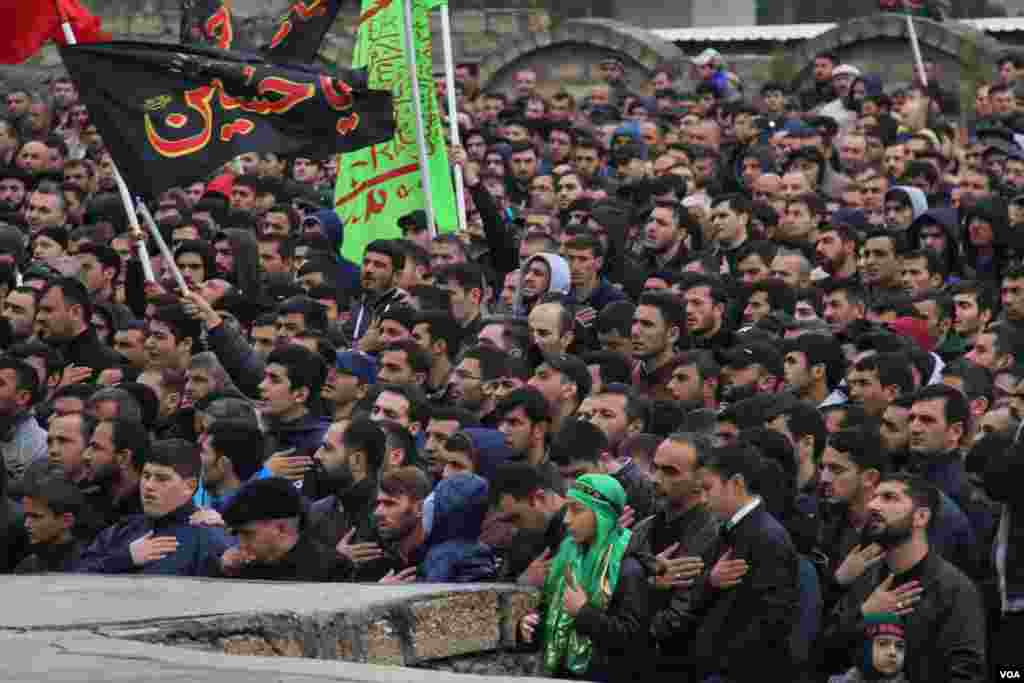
162,245
122,188
453,112
417,107
915,46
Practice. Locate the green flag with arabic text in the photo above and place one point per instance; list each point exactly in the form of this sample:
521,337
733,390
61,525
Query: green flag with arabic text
378,185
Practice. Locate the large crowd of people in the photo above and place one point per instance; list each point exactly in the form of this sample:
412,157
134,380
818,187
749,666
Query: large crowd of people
732,374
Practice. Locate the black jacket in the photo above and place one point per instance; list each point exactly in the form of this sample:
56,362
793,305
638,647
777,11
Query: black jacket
744,631
332,517
945,633
51,558
672,619
619,632
526,546
639,490
308,560
86,349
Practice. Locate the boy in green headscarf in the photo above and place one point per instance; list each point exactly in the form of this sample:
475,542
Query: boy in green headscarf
594,612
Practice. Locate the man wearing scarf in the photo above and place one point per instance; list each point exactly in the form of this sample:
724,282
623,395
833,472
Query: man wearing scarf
595,615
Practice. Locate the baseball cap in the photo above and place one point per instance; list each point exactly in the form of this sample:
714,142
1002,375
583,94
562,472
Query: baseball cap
845,70
745,355
414,220
706,57
357,364
573,368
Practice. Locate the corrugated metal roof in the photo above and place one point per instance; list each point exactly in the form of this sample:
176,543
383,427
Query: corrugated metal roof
997,24
786,32
730,34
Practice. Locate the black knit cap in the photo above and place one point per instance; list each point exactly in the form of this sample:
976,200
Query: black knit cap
263,499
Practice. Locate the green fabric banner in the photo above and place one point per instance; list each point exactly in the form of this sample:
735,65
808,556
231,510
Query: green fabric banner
378,185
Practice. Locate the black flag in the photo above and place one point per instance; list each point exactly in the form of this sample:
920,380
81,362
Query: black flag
171,114
301,30
207,22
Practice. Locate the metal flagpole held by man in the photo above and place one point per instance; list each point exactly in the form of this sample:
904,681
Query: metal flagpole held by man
122,188
914,45
453,110
417,107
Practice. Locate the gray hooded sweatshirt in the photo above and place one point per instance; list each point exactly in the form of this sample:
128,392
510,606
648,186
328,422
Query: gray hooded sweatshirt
560,282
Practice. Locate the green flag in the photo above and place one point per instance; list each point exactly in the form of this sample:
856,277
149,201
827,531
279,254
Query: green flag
378,185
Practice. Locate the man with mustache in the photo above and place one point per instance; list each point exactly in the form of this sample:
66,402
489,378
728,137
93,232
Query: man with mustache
940,606
849,471
683,535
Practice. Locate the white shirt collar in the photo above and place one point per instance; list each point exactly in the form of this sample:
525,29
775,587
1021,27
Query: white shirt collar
743,512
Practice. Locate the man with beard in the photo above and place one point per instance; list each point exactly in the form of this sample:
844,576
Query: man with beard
14,184
542,274
564,380
974,307
526,499
46,207
882,267
749,369
664,238
765,298
524,417
22,440
706,300
64,321
383,262
682,535
941,607
619,412
836,251
879,379
894,430
844,303
938,421
343,484
443,423
9,142
478,364
552,328
850,468
390,551
730,227
113,461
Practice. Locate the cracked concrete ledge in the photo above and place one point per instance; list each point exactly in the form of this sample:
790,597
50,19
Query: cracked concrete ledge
82,656
189,620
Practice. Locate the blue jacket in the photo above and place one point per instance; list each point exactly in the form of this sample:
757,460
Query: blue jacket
305,435
454,553
346,277
199,548
490,444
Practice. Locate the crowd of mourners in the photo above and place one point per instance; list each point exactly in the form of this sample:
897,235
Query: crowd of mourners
733,374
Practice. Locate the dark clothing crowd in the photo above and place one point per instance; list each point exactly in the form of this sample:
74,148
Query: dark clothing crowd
733,376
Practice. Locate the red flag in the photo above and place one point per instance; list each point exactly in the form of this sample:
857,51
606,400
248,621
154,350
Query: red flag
29,24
